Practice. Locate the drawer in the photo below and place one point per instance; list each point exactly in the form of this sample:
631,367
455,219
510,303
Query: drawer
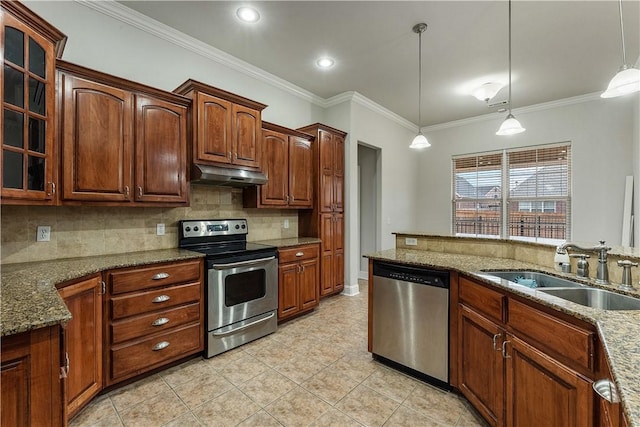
565,341
139,326
487,301
157,299
142,356
298,253
153,276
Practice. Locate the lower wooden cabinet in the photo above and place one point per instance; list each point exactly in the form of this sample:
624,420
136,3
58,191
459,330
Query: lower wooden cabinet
154,316
510,367
30,373
298,273
83,342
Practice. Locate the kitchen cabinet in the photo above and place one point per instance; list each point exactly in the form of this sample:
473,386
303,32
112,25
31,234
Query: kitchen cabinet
122,143
29,163
519,365
609,412
287,161
83,341
154,316
298,275
30,374
326,220
226,127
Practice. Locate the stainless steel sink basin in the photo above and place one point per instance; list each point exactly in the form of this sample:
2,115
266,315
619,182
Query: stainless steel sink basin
596,298
534,279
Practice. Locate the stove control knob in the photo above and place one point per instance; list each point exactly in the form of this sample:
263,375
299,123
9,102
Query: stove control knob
187,229
237,227
195,228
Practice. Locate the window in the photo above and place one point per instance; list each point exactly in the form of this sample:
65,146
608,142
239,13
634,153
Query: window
537,205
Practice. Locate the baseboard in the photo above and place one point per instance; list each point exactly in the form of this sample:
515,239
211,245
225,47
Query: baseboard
351,290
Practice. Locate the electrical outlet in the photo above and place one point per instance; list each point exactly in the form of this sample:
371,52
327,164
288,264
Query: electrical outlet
160,229
411,241
44,233
286,223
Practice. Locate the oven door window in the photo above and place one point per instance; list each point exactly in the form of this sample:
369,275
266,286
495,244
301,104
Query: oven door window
243,287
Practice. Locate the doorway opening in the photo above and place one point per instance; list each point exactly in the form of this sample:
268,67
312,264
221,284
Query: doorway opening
369,161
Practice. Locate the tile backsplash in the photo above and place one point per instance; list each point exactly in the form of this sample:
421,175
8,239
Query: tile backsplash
97,230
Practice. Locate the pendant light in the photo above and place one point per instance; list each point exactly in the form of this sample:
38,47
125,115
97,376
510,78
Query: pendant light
420,141
511,125
628,78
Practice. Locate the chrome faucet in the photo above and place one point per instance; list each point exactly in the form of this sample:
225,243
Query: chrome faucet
602,275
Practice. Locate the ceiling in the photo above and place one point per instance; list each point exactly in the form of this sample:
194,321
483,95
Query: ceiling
560,48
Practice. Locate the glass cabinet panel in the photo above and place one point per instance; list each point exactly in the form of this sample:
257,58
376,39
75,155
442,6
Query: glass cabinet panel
14,46
37,139
37,59
11,169
13,134
13,86
37,96
36,173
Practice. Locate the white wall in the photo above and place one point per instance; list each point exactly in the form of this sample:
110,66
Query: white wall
602,138
368,201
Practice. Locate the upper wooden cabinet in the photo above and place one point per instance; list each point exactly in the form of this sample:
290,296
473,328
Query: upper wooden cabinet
121,142
287,161
29,165
226,127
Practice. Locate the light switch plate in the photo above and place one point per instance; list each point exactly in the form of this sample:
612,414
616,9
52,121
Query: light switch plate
410,241
286,223
160,229
43,233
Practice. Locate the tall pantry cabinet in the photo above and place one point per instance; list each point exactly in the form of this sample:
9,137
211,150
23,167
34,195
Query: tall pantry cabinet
326,220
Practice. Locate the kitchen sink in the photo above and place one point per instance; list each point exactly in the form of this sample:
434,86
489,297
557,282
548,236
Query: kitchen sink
596,298
534,279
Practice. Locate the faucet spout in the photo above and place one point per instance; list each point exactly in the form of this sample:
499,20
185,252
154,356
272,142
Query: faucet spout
601,249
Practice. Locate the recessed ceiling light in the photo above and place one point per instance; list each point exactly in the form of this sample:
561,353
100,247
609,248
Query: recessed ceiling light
248,14
325,62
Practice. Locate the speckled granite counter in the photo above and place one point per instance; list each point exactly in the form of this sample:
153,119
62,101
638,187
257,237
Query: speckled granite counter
619,331
291,241
29,299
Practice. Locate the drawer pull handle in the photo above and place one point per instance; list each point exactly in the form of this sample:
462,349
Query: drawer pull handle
606,389
160,276
161,298
495,341
160,346
160,321
299,254
505,355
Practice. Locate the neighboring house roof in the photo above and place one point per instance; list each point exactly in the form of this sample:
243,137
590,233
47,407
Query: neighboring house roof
549,181
466,190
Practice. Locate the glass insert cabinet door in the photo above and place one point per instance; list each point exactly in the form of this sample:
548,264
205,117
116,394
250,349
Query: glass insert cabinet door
28,92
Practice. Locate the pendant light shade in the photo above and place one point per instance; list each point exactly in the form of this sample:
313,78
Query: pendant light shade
511,125
628,78
419,141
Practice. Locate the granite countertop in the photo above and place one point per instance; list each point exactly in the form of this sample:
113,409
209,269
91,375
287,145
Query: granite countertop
29,299
290,241
619,331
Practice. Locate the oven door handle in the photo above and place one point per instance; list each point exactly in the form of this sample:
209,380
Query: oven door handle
248,325
243,263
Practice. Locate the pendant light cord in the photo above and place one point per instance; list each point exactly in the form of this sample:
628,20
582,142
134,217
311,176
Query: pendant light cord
510,57
419,81
624,55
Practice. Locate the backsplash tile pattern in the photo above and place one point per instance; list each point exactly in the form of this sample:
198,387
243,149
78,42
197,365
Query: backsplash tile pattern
96,230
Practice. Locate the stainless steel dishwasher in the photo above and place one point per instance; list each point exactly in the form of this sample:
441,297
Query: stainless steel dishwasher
411,319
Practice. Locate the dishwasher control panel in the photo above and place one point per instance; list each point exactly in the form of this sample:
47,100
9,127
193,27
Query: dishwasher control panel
411,274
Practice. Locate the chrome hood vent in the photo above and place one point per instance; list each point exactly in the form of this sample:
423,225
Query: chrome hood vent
216,175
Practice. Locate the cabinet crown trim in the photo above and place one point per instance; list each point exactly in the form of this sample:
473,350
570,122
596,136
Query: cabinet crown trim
193,85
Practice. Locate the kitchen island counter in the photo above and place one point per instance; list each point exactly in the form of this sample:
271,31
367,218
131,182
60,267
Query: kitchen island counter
619,331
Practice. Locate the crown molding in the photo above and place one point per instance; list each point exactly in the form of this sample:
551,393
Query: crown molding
516,111
137,20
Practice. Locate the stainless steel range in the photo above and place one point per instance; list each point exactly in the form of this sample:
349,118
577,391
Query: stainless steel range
242,282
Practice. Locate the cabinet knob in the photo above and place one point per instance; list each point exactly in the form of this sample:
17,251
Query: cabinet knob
505,355
160,346
160,321
140,192
126,191
161,298
160,276
230,155
53,189
495,342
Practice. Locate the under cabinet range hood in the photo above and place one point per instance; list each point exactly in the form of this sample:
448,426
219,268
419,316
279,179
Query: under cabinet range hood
216,175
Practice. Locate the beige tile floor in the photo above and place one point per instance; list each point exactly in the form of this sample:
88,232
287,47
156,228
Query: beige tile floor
314,371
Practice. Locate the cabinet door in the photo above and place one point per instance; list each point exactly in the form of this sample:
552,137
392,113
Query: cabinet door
338,174
542,392
275,162
480,364
246,133
28,98
213,124
97,143
288,296
83,342
161,151
300,172
325,171
327,266
338,252
308,284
